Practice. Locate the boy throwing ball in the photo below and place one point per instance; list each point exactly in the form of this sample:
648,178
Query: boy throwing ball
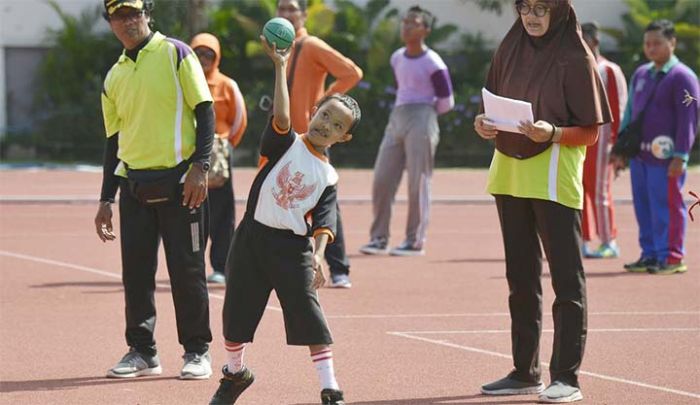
272,248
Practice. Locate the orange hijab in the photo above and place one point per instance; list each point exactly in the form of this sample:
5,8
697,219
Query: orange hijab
221,88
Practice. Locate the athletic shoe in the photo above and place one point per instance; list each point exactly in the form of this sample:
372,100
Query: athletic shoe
216,278
511,386
641,265
586,252
340,281
197,366
332,397
407,249
377,246
232,386
560,392
606,251
666,268
135,364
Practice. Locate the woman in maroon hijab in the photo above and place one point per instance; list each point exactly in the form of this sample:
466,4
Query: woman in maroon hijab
536,178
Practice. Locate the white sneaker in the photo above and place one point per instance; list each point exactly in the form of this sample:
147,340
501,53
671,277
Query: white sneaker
197,366
560,392
340,281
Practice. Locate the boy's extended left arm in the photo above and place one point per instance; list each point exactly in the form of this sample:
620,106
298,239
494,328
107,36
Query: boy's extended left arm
280,102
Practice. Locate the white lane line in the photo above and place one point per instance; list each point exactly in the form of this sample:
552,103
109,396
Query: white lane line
499,331
61,264
495,314
507,356
96,271
365,316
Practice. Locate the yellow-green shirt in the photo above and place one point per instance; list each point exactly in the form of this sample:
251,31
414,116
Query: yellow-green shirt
151,102
555,175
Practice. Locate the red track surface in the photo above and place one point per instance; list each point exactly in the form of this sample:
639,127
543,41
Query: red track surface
411,331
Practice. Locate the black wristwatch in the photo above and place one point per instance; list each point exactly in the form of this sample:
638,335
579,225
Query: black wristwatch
203,165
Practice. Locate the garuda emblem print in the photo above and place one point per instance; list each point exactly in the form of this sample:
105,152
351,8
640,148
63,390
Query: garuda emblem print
291,189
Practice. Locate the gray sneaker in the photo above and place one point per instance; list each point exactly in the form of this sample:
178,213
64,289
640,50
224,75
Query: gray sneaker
408,249
511,386
340,281
197,366
377,246
216,278
560,392
135,364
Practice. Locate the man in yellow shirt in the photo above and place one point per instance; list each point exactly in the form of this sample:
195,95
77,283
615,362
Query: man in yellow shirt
158,159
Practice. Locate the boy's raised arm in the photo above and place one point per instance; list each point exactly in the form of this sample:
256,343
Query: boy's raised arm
280,104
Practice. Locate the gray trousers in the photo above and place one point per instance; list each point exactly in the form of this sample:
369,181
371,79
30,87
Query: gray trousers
409,142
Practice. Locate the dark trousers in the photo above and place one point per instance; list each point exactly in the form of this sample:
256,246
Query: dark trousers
263,259
335,252
559,228
219,223
181,230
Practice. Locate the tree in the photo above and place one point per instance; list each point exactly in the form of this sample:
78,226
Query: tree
69,86
684,13
495,6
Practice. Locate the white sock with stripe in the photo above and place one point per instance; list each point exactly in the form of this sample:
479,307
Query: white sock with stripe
234,356
323,361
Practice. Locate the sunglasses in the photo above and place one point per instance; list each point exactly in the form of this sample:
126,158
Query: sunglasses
205,53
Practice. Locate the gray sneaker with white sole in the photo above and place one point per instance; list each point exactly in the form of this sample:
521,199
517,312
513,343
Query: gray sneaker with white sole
560,392
511,386
135,364
197,366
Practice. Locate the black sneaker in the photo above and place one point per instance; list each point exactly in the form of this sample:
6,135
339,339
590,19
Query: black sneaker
641,265
511,386
377,246
667,268
332,397
231,386
408,249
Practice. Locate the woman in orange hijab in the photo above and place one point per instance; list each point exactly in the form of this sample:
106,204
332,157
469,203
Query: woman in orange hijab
536,178
231,122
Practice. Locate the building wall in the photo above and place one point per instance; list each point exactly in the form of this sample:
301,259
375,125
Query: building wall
20,69
24,36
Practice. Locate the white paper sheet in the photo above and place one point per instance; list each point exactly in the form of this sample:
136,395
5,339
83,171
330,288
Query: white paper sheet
506,113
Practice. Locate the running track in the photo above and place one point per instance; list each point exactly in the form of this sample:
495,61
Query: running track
411,331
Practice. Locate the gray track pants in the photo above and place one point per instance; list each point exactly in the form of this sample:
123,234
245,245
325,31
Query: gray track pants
410,140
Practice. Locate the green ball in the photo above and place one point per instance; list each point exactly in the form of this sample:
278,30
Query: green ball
279,31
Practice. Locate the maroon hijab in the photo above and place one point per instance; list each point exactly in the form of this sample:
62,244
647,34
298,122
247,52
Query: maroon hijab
556,72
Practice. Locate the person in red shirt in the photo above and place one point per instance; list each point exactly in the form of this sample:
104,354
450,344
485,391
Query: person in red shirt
598,215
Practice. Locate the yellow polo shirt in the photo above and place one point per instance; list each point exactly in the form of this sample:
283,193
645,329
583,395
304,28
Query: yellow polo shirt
151,102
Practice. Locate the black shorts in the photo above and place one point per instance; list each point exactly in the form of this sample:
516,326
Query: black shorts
262,259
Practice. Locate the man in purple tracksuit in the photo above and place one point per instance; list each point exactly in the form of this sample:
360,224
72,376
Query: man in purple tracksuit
670,92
